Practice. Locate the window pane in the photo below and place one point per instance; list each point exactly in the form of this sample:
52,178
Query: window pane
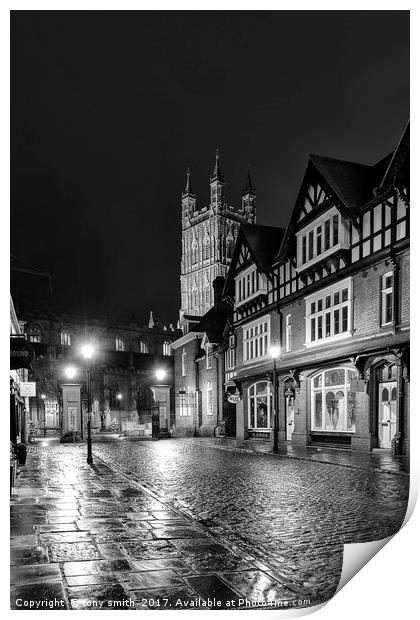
312,329
328,301
345,319
311,245
335,230
336,298
327,235
304,249
328,324
318,410
313,307
319,305
335,377
345,294
262,412
319,327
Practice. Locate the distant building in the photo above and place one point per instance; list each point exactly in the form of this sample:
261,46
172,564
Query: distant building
209,235
19,404
126,386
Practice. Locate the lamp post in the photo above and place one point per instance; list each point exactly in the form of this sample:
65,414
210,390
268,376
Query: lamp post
87,352
43,397
275,354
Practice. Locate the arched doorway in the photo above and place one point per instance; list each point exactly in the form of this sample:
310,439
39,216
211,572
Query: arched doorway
289,407
387,405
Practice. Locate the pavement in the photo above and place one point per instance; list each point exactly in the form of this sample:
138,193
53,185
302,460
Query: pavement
186,523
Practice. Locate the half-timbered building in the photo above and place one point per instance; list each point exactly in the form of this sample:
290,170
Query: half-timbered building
336,299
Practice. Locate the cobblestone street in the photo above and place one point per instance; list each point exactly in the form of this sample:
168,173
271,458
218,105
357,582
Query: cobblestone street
155,523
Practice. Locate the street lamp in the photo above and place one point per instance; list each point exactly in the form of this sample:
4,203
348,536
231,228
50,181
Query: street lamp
87,352
275,354
70,372
160,374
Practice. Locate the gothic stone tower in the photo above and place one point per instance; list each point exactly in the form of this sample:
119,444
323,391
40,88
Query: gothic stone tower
208,238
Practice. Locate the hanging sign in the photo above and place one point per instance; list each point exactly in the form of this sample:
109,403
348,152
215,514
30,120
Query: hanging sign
234,398
27,388
21,353
357,385
289,392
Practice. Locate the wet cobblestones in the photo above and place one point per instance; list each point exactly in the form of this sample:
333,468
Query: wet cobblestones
169,520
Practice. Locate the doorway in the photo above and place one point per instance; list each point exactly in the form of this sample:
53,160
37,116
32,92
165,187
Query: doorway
387,399
289,408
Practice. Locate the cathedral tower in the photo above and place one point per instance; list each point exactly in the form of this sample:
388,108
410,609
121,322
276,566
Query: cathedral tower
208,238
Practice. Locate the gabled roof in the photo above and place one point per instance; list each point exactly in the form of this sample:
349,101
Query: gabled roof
351,184
263,243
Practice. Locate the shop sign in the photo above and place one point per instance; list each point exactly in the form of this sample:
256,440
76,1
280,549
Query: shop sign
21,353
27,388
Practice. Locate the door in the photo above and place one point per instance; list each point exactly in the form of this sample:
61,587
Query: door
290,417
387,413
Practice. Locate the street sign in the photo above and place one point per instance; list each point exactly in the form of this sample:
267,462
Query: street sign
27,388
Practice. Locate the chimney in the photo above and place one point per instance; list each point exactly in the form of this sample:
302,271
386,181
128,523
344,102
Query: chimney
218,285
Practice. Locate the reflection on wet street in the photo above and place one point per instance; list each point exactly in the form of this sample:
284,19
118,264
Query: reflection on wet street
156,522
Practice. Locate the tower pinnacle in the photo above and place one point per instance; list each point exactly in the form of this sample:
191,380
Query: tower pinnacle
217,172
188,191
248,189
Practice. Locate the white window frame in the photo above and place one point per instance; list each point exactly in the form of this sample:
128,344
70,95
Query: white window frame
288,332
322,294
209,398
255,339
184,363
345,388
119,344
343,241
249,283
385,292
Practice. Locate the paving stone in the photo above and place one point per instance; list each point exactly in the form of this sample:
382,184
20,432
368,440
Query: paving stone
153,579
111,596
149,565
95,567
35,573
58,527
90,580
48,596
65,537
149,550
23,541
30,555
111,551
66,552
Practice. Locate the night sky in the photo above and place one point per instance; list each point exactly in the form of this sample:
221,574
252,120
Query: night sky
109,108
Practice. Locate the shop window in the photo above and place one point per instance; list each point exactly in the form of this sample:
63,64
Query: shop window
260,404
333,404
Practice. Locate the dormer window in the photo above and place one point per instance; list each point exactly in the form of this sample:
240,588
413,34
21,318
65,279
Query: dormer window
321,238
249,284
